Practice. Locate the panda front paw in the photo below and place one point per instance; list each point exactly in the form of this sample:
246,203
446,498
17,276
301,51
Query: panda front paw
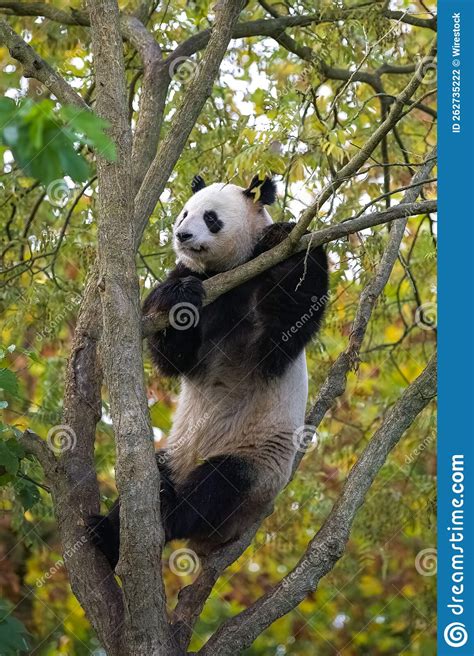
272,236
171,294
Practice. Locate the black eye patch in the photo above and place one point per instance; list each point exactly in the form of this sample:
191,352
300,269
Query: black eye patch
213,223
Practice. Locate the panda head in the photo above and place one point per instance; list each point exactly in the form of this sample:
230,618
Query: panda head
220,224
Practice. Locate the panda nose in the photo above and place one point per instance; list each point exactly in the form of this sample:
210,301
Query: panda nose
184,236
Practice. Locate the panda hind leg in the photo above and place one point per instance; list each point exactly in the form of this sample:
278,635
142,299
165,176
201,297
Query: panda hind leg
218,501
104,530
104,533
215,504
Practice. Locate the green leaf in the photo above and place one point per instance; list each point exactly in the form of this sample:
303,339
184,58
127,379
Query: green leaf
27,493
43,140
8,381
8,459
13,634
7,111
16,447
91,130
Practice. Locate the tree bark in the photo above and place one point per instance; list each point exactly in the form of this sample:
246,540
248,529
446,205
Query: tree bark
141,535
329,543
132,619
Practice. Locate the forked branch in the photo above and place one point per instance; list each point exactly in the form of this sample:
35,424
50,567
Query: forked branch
330,541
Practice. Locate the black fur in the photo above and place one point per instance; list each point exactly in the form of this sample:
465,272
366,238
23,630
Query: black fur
104,532
262,326
204,508
267,190
197,184
175,351
212,221
287,303
291,299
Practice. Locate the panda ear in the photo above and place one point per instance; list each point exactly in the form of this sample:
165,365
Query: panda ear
197,184
262,191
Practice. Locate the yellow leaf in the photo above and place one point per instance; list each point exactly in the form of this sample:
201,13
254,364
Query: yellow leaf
370,586
393,333
409,590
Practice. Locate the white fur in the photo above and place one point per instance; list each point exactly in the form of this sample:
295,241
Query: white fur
230,410
243,221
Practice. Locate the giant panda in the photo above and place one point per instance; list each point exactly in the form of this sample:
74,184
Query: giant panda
241,363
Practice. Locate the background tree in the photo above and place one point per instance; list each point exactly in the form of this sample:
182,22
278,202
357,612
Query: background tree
339,103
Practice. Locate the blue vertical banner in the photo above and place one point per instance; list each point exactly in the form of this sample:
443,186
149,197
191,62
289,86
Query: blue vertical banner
456,328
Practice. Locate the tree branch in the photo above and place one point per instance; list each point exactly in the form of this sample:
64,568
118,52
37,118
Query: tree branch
152,96
197,92
193,597
223,282
403,17
366,151
76,490
71,17
34,66
97,591
373,79
335,383
329,543
34,445
141,535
